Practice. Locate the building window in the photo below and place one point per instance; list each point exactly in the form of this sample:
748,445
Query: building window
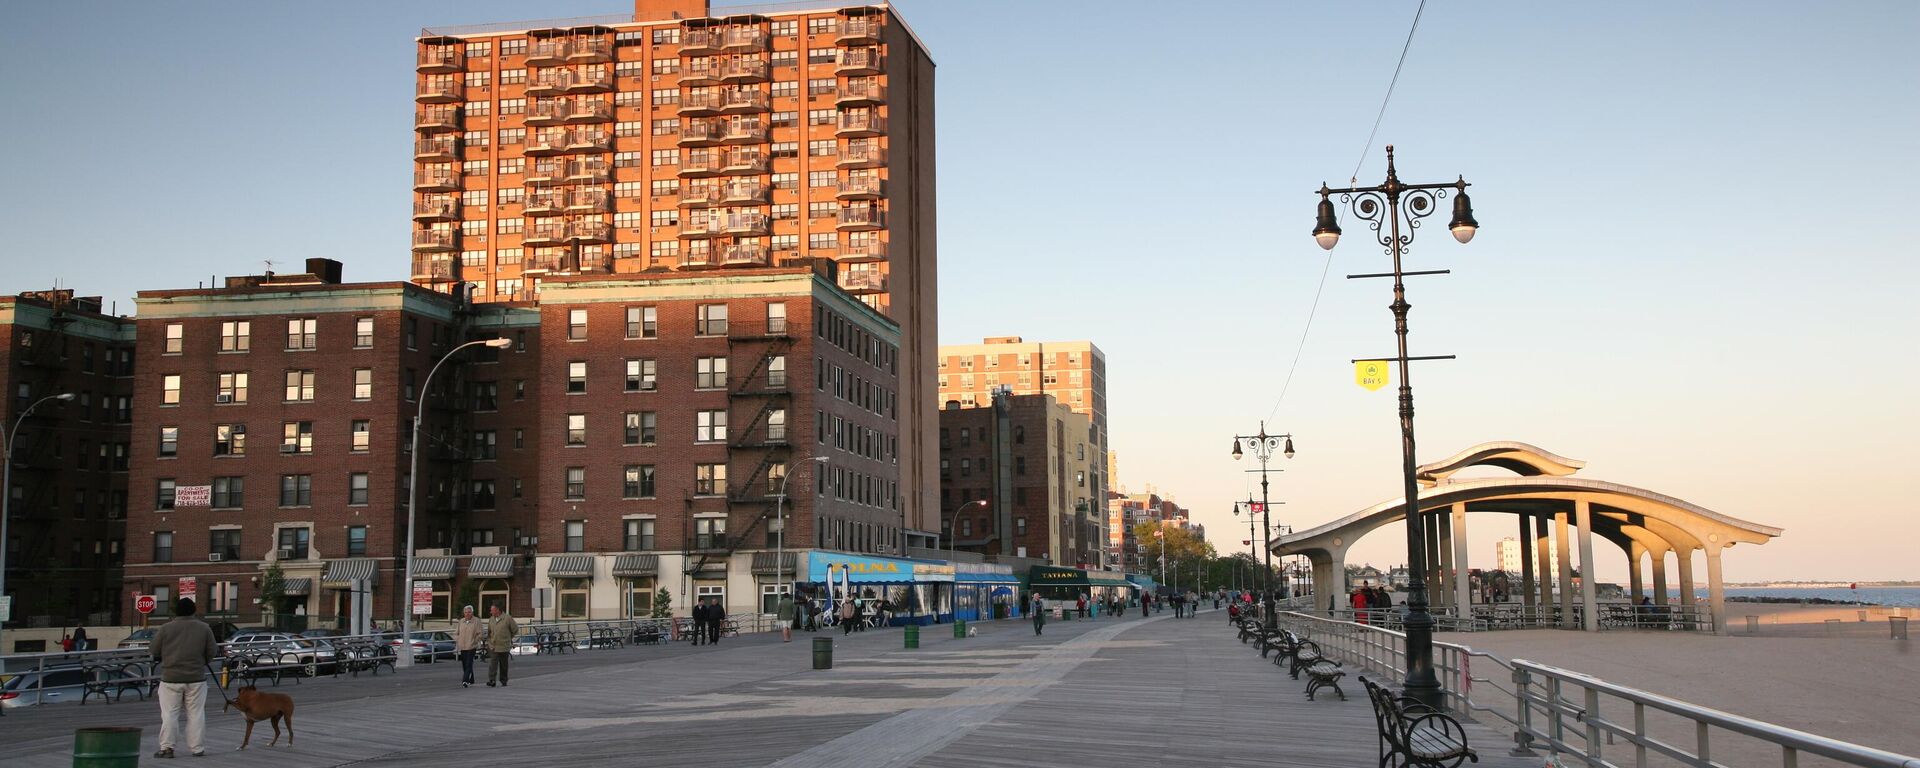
710,426
301,333
576,377
576,429
710,373
356,540
299,386
642,375
169,389
639,534
363,332
176,338
362,436
777,372
711,320
636,482
709,479
482,494
296,490
576,325
357,489
576,483
710,533
639,428
236,336
1020,526
224,542
777,317
363,383
163,493
777,425
576,535
643,323
573,597
163,546
485,444
297,437
229,440
229,492
294,541
169,441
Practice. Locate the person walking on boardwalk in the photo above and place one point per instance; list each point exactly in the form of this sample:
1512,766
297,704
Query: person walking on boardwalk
1039,607
466,639
848,616
501,629
1146,604
183,648
1360,605
716,622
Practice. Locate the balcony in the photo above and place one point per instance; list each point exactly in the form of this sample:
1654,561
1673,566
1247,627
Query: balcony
862,188
700,104
545,172
590,111
436,208
701,133
701,258
871,250
746,161
589,50
743,39
589,200
442,148
703,223
746,222
700,195
589,169
745,130
546,53
859,61
551,82
544,202
589,140
860,123
862,154
545,233
594,262
597,80
435,240
436,180
744,71
591,231
702,162
700,42
701,71
547,262
440,59
861,92
863,282
439,89
744,255
547,141
859,30
741,100
438,118
744,191
548,112
862,217
436,270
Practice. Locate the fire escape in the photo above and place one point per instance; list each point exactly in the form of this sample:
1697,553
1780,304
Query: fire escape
764,390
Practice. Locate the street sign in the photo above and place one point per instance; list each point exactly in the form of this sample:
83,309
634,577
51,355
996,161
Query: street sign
1371,374
193,496
189,588
422,597
143,603
6,608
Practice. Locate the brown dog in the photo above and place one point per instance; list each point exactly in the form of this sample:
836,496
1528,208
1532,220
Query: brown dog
257,706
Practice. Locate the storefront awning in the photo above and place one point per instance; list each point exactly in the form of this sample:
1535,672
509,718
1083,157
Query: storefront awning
433,567
341,573
1052,576
868,569
636,565
296,587
490,567
570,567
772,563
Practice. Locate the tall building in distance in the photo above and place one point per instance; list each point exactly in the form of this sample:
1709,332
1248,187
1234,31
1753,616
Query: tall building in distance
1018,479
1507,551
683,137
1074,373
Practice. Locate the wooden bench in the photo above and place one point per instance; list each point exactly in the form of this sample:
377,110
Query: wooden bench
116,679
365,656
1416,733
1285,646
1322,672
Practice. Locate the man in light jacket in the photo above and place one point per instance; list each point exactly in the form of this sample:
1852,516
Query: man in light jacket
467,635
501,630
184,647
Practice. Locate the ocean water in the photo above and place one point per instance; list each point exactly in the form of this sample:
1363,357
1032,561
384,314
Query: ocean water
1903,596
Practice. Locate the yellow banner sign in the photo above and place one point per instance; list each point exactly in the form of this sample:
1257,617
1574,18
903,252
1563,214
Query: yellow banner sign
1371,374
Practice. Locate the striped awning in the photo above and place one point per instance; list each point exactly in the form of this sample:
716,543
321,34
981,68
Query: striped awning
636,565
341,573
433,567
771,563
296,586
711,569
491,567
570,567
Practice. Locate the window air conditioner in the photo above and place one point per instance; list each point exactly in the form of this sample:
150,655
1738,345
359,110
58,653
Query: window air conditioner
289,449
223,398
286,553
214,557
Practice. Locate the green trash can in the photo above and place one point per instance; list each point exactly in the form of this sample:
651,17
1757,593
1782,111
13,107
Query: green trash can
959,628
912,636
823,653
106,748
1066,614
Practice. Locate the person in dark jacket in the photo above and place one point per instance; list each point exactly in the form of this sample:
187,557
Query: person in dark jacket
716,616
700,622
184,647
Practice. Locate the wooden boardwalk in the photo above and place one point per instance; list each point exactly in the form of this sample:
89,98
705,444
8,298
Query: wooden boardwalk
1109,692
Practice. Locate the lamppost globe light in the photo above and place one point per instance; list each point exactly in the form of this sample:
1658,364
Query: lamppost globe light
64,396
500,343
1236,449
1463,225
1288,452
1326,228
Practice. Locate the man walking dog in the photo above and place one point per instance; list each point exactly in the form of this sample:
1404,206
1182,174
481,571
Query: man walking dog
184,647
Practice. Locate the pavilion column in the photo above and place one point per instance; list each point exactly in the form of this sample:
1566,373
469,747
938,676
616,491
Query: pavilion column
1462,585
1716,589
1432,570
1335,590
1563,549
1686,582
1659,576
1528,597
1636,589
1542,544
1448,576
1589,601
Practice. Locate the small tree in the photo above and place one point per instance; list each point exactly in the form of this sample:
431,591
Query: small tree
273,592
469,595
662,604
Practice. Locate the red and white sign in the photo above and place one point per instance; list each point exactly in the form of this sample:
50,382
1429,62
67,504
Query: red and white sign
143,603
1256,507
190,588
193,496
422,597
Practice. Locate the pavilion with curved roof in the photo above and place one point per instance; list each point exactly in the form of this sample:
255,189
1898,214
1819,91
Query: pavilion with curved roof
1556,513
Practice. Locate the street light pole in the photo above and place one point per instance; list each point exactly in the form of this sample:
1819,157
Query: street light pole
953,527
6,479
1382,206
780,540
405,659
1263,446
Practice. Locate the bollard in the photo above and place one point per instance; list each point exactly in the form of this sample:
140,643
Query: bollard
1899,626
912,636
959,628
823,653
106,747
1753,625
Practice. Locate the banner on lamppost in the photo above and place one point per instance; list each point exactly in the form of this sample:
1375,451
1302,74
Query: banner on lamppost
1257,507
1371,374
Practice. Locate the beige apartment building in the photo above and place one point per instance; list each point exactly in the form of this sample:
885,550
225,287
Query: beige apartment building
686,137
1073,372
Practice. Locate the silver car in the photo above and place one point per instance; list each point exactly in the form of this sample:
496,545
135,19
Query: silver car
53,685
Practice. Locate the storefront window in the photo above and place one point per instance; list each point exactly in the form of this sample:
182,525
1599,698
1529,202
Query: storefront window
573,598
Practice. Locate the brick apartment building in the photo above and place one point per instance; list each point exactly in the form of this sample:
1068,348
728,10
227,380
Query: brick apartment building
1028,461
1128,510
673,139
67,502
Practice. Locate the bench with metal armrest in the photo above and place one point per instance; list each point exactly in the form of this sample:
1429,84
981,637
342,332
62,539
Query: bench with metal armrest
1414,734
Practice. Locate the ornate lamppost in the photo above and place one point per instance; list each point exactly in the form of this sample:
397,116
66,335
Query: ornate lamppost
1263,446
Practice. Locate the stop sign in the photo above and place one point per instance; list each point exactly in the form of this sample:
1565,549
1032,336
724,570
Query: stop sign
143,603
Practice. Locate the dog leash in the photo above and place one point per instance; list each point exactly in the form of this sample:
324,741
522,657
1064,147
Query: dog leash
215,679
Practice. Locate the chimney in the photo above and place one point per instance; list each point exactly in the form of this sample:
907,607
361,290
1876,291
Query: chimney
326,270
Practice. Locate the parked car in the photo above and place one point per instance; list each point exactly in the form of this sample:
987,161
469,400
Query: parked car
428,645
526,645
291,647
322,634
53,685
143,636
140,638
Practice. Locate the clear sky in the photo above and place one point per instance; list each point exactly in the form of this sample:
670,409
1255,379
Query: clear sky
1691,273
